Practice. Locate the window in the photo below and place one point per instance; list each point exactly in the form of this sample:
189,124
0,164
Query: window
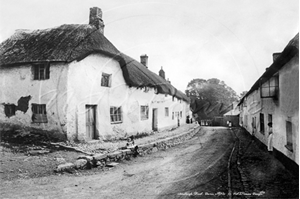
166,111
144,112
106,80
172,115
39,114
180,114
270,88
115,114
269,118
41,71
9,110
262,123
289,136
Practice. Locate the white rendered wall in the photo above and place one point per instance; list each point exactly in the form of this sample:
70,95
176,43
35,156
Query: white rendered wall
84,88
17,82
286,108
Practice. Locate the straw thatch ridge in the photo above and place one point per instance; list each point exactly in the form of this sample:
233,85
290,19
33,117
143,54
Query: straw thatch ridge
67,43
287,54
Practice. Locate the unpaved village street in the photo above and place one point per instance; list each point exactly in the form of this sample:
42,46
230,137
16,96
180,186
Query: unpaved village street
197,168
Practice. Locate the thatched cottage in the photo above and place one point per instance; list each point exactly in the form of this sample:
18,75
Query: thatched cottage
71,79
274,98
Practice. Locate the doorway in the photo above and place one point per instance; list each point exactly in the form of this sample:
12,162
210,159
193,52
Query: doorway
154,119
90,121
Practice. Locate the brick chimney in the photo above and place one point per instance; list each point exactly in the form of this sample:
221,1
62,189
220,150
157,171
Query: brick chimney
96,19
144,60
275,56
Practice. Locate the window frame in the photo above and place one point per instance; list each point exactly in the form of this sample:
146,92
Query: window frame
270,118
144,112
9,110
103,83
41,71
262,123
116,114
289,135
39,113
272,90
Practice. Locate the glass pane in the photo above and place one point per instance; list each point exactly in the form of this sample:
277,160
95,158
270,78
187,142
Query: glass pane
272,82
36,72
44,109
265,92
48,72
272,91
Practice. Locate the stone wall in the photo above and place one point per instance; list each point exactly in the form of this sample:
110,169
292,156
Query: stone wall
102,160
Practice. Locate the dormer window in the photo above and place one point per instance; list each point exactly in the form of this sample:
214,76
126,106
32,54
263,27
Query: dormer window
106,80
41,71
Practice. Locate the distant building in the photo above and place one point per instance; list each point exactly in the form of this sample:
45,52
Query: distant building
233,110
71,79
274,97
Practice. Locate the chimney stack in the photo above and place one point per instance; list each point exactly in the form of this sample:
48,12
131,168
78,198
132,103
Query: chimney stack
96,19
162,73
144,60
275,56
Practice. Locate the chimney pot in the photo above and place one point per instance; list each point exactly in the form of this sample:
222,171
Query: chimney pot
96,19
144,60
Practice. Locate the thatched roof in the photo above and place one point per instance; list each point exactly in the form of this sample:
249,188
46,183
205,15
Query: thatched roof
61,44
137,75
287,54
67,43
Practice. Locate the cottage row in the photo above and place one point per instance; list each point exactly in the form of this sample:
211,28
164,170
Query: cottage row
274,99
71,79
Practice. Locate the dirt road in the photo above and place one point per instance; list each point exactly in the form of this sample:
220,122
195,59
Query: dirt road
197,165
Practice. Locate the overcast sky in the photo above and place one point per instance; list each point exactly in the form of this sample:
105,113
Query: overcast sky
232,40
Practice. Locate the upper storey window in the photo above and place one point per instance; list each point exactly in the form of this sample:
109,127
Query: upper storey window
106,80
270,88
41,71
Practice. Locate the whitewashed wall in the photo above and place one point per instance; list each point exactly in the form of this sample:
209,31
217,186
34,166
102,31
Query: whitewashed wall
286,108
17,82
84,88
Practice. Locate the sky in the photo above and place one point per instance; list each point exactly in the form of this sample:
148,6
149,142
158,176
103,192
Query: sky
232,40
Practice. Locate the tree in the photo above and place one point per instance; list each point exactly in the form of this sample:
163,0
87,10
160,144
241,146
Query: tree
210,97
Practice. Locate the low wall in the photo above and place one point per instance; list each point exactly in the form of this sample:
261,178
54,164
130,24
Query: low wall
102,160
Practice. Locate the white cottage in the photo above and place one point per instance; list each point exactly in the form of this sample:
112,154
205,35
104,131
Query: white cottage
71,79
275,98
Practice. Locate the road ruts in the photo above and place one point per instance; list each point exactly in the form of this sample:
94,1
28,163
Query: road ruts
236,187
211,176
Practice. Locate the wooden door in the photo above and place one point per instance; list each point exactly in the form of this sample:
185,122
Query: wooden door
154,119
90,121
